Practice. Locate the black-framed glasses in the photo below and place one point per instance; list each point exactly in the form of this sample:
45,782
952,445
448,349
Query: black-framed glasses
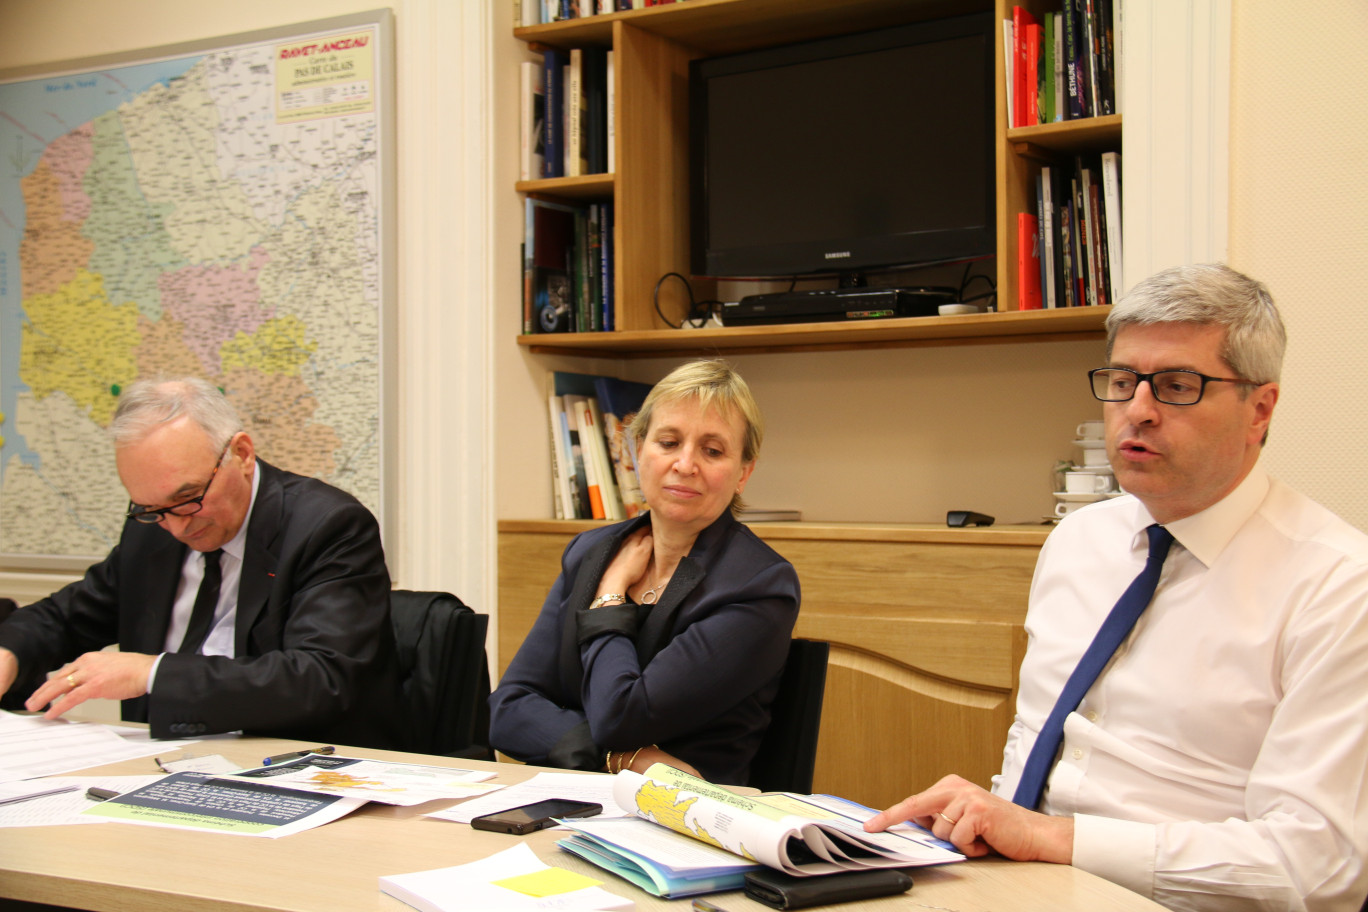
1171,387
185,507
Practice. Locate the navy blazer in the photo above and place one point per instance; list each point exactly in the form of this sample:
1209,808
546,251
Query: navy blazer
697,678
315,650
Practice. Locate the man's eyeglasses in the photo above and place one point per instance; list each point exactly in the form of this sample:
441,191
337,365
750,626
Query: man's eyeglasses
1171,387
185,507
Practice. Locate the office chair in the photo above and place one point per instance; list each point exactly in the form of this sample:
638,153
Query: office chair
444,675
788,753
21,689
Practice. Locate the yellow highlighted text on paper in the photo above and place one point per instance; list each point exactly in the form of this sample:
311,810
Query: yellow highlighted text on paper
548,882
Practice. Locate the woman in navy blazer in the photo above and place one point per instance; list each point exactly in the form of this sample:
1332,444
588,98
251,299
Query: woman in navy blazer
664,637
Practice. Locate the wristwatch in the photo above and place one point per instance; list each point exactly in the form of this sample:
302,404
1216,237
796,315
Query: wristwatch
605,598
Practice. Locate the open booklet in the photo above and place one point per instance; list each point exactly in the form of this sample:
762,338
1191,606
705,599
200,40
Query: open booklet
786,832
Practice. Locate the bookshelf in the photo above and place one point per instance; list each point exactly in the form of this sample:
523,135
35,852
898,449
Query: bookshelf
893,599
650,187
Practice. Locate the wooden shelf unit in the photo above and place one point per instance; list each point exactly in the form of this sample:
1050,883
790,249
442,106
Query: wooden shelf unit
926,623
653,48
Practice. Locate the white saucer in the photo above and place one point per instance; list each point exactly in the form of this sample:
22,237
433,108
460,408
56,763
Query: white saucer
1090,443
1066,497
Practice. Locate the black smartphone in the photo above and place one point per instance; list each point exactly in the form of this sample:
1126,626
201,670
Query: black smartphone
536,816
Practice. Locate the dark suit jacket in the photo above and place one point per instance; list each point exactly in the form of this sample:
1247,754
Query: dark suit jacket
697,677
315,650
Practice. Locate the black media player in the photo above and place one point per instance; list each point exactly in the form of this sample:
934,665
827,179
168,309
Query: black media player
829,305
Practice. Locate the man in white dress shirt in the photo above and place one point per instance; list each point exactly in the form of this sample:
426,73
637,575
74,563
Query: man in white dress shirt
1220,760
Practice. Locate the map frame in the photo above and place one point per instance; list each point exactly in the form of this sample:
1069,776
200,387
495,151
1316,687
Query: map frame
384,263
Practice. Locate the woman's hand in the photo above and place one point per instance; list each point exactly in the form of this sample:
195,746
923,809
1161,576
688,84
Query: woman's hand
639,761
629,564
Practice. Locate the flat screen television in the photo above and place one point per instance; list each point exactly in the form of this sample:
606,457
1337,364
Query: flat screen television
861,152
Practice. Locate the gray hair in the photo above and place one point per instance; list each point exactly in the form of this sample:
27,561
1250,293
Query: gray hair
1211,294
147,404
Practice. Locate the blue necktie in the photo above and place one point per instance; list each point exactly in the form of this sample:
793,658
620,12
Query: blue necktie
1114,630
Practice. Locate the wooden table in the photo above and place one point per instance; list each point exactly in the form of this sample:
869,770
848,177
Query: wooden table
335,867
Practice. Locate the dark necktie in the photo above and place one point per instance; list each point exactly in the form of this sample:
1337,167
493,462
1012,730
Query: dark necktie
206,600
1114,630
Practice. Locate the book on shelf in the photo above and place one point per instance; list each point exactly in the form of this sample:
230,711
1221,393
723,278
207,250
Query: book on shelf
688,836
620,400
601,460
562,472
548,250
1031,82
1045,74
1061,65
532,120
1059,98
554,63
1102,269
594,122
568,263
576,413
1021,96
575,164
1111,205
609,263
1049,257
1009,67
1106,59
756,514
1078,212
1028,262
610,112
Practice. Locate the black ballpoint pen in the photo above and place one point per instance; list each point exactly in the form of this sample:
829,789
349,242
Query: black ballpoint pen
99,794
295,755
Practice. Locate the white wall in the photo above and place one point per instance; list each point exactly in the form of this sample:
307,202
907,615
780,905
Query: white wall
1299,222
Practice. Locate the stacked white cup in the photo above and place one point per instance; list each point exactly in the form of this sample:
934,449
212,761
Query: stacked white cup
1093,479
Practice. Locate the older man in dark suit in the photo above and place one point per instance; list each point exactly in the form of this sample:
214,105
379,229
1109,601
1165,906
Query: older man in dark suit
241,596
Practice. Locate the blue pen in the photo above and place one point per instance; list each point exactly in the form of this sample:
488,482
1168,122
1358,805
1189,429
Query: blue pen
295,755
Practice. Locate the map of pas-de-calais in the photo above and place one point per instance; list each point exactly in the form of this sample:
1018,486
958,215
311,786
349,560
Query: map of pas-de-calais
216,214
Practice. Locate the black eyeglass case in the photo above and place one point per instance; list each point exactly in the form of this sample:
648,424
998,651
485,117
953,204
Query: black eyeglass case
782,891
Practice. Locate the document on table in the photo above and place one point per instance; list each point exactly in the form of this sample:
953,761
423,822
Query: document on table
513,880
67,806
31,746
403,784
197,801
578,786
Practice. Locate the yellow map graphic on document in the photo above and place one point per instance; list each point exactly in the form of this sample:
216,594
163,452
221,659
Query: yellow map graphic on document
667,806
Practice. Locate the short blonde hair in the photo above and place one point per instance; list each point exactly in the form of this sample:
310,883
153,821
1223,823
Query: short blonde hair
714,384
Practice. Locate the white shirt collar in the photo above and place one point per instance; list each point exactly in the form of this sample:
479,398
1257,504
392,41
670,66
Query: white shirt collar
237,546
1206,534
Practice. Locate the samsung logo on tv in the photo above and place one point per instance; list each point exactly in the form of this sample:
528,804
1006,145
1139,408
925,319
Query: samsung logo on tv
838,255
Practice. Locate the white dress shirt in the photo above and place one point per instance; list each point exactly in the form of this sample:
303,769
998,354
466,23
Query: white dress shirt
223,630
1220,761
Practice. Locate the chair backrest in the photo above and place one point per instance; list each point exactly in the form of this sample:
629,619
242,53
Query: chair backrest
788,753
444,673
